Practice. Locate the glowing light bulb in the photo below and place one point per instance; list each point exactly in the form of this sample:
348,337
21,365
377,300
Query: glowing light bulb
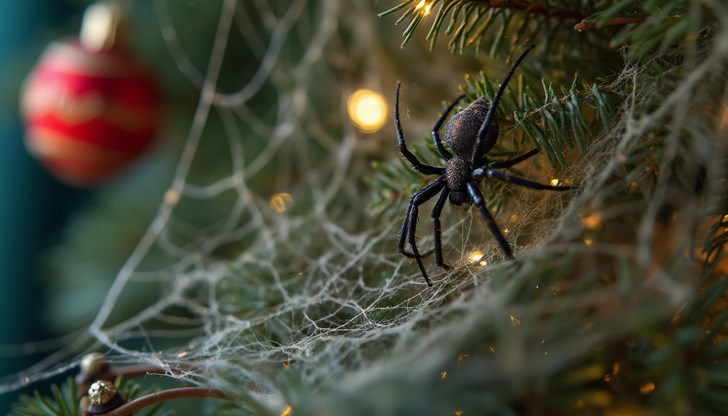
171,197
287,411
367,109
424,5
280,201
476,256
554,182
592,220
647,388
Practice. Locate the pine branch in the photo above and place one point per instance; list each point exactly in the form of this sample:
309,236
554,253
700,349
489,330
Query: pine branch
662,24
489,22
554,121
533,8
65,400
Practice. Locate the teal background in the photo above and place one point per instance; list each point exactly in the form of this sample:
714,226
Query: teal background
34,206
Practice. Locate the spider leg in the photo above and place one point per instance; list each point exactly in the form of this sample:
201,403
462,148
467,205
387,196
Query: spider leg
508,163
436,128
419,166
479,202
436,211
483,146
403,238
507,177
410,227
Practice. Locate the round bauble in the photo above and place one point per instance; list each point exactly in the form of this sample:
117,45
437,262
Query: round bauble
89,113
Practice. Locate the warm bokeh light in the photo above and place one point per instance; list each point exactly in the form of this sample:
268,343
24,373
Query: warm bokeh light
288,411
592,221
171,197
280,201
647,388
424,6
476,256
367,109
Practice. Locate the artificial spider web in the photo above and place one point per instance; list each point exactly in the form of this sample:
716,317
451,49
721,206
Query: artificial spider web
315,307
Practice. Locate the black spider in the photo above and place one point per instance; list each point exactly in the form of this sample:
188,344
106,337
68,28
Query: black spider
471,134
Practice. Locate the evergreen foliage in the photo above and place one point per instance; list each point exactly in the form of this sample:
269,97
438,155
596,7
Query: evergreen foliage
65,400
647,355
616,302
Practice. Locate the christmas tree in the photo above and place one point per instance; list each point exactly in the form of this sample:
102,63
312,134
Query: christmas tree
253,258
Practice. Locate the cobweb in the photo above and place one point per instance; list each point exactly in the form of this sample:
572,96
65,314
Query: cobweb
311,304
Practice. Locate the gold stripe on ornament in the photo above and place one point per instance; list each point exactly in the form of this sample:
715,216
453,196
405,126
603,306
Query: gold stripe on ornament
46,143
70,108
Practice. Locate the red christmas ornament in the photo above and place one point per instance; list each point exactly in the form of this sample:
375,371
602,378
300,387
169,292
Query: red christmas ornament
89,108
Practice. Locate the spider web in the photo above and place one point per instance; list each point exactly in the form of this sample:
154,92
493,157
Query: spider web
315,307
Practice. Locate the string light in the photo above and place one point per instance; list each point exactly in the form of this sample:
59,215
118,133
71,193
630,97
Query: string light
367,110
647,388
280,201
592,220
171,197
287,411
476,256
515,322
424,6
554,182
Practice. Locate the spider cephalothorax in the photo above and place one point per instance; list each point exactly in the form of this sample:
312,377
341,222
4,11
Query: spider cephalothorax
470,134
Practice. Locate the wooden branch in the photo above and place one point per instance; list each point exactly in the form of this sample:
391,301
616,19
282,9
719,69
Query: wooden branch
587,24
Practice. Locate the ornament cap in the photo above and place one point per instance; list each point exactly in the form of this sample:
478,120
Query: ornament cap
103,26
93,363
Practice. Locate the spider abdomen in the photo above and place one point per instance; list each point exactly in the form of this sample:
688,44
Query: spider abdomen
461,132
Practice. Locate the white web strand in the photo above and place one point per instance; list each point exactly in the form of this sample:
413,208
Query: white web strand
321,288
161,220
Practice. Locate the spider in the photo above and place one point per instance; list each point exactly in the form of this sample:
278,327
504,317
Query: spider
470,134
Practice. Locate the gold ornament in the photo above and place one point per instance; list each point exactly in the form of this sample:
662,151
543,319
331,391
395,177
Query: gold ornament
93,363
101,392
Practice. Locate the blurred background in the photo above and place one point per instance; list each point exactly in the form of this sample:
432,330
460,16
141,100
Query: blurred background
34,205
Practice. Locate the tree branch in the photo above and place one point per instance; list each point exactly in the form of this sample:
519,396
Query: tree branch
533,8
